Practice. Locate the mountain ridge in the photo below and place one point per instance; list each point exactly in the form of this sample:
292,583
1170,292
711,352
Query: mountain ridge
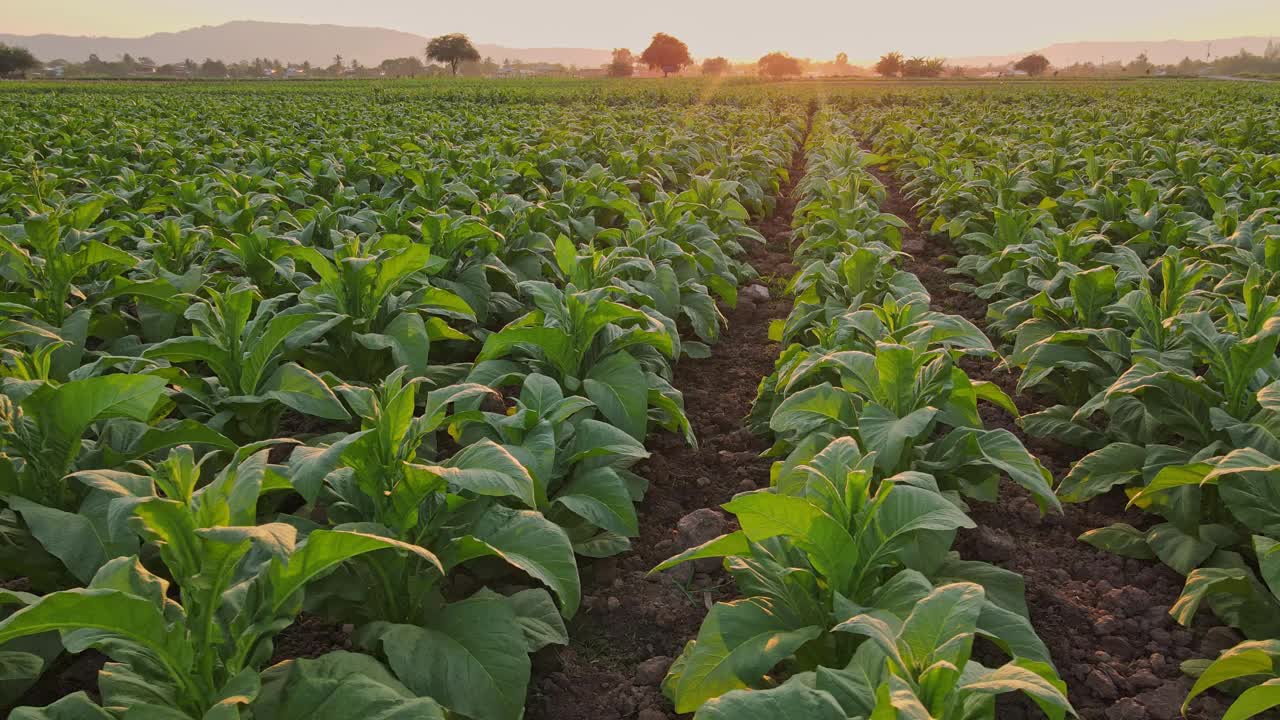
1160,52
290,42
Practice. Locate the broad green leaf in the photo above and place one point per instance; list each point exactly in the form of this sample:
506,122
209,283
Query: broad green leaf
304,391
472,658
323,550
339,686
1255,700
137,620
618,387
1122,539
70,537
887,434
1101,470
814,408
486,468
76,706
601,497
1244,660
942,625
538,617
1012,678
734,543
791,701
528,541
737,644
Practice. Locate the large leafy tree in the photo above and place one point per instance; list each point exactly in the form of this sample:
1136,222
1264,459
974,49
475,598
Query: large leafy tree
452,50
890,64
923,67
15,60
1033,64
715,66
623,63
779,65
666,53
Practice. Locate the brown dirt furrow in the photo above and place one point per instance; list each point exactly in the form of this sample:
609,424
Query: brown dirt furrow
1104,618
632,623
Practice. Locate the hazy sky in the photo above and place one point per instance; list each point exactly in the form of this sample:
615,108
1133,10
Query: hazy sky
735,28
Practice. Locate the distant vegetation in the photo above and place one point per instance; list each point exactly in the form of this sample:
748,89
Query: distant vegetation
456,55
715,66
623,64
15,60
778,65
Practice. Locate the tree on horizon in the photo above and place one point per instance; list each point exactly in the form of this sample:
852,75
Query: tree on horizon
715,66
452,50
890,64
623,63
666,53
1034,64
778,65
14,60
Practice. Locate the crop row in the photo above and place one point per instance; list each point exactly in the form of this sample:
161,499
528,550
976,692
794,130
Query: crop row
279,353
1128,251
853,604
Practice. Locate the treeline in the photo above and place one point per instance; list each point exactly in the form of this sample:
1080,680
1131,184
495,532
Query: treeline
130,67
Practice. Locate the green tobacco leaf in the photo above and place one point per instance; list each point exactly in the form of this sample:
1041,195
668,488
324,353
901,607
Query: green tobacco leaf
737,644
887,434
339,686
407,338
791,701
1122,539
1012,632
538,617
1255,700
309,466
76,706
734,543
323,550
70,537
1101,470
19,665
1203,582
1243,660
135,619
601,497
814,408
472,658
304,391
528,541
486,468
942,625
618,387
1003,449
554,343
1177,549
68,410
1013,678
832,549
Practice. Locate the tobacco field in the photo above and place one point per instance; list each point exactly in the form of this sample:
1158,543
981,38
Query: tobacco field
640,400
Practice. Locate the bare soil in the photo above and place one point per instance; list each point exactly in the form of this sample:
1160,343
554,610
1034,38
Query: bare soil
629,617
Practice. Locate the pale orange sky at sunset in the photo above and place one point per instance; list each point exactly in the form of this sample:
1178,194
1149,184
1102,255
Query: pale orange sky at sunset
735,28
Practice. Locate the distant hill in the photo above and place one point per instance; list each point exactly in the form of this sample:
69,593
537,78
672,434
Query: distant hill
287,42
1162,52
